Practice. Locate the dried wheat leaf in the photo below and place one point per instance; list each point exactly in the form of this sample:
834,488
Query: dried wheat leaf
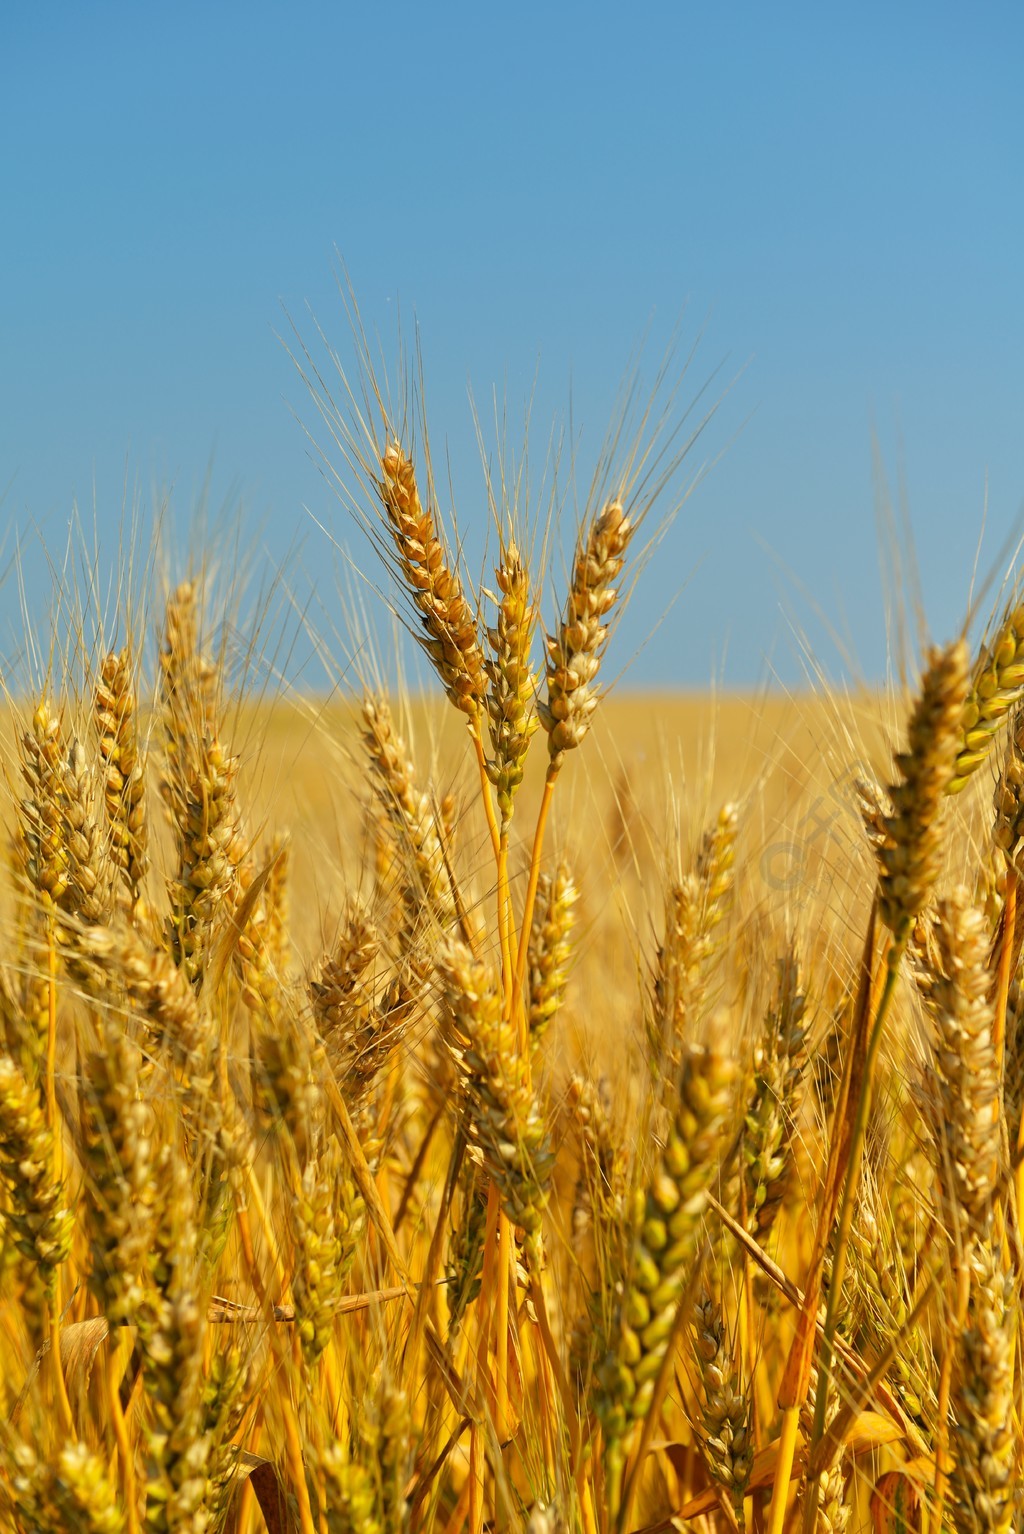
279,1513
896,1504
79,1344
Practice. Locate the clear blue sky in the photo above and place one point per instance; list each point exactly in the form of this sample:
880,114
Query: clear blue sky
834,193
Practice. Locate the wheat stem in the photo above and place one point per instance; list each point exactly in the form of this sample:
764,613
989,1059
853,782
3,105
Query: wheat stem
1004,967
842,1239
501,1324
784,1469
934,1516
526,924
125,1452
60,1389
485,784
51,1037
476,1478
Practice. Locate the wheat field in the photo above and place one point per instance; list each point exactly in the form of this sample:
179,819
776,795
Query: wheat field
509,1107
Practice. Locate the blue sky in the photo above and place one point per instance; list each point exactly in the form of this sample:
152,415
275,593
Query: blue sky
832,196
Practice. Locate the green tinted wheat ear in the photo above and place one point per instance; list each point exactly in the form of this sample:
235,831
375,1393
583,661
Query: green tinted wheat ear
351,1493
830,1492
599,1196
37,1213
880,1301
264,989
124,771
910,855
575,650
511,693
84,1494
116,1134
465,1263
366,1489
74,1495
261,953
226,1397
695,908
451,640
1008,829
387,1436
663,1251
772,1111
997,685
726,1414
328,1221
284,1087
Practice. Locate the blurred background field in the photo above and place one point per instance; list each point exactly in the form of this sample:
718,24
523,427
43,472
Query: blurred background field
631,811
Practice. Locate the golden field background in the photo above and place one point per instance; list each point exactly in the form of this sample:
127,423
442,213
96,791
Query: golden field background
632,806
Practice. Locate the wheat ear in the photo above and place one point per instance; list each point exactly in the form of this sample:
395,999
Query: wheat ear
124,771
910,855
550,950
774,1105
726,1414
576,648
695,908
451,640
426,887
997,684
663,1250
511,693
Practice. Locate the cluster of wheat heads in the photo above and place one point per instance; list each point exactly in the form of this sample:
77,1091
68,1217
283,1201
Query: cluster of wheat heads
345,1245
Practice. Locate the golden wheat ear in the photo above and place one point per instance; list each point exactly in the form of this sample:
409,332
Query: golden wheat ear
39,1213
577,646
910,855
116,716
511,695
550,950
696,907
451,641
773,1109
997,686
